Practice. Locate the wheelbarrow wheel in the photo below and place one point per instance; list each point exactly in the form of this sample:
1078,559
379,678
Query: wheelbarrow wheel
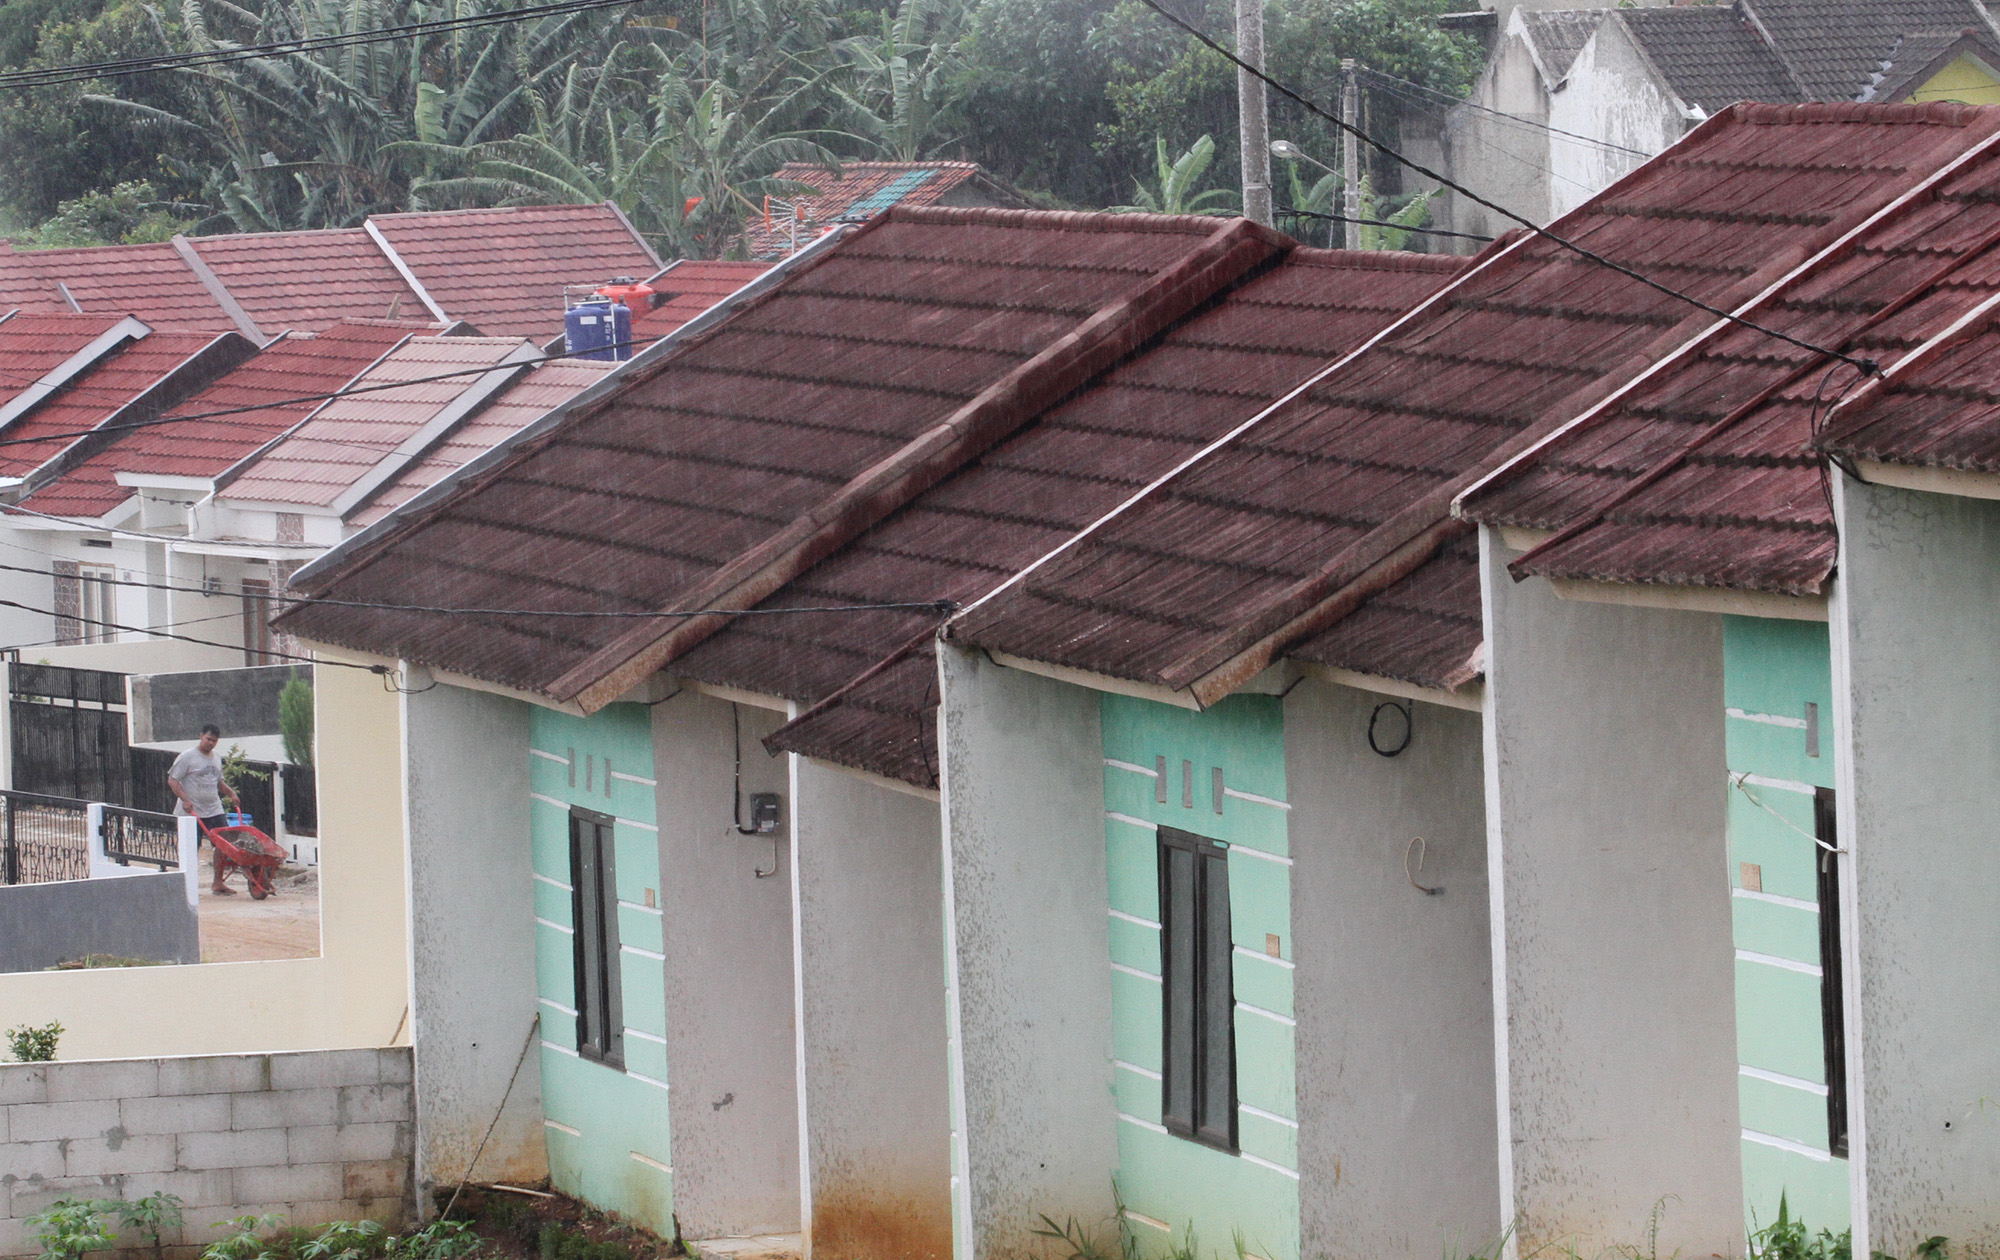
259,890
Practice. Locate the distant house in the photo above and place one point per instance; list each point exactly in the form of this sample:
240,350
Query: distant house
1573,99
858,191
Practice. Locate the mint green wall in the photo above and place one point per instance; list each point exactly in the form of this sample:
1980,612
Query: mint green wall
1164,1178
1771,671
606,1129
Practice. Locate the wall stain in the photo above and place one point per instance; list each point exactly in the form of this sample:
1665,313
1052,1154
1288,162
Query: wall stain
862,1226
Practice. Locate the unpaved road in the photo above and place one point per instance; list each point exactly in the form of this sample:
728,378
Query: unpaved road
242,929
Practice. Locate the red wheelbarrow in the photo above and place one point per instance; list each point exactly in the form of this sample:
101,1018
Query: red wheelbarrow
239,845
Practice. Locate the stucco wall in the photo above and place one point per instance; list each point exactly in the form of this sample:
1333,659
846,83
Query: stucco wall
1916,635
1028,954
354,994
472,935
1397,1137
1613,97
135,916
1606,843
731,1043
871,933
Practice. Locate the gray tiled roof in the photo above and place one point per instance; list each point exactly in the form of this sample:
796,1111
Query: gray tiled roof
1917,58
1835,48
1710,56
1559,35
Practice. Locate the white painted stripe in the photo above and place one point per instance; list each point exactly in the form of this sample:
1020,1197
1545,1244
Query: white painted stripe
1265,1163
1286,1020
1779,1078
1261,956
557,1006
548,756
567,931
550,1045
552,882
1786,1144
1143,1219
558,1125
1116,764
1255,799
650,1162
1144,1124
1782,785
633,905
1772,960
1134,971
1127,818
643,1035
1262,1114
643,953
1774,899
1246,850
1133,918
1768,719
549,800
633,822
633,778
1136,1070
637,1076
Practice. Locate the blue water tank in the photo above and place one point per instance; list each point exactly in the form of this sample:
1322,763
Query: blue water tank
598,330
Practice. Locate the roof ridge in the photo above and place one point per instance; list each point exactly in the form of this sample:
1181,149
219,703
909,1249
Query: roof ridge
1058,220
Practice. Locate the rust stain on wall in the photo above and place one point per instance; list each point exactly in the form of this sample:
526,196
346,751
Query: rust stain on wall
861,1226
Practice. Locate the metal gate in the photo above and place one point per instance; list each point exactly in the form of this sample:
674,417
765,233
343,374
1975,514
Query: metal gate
69,732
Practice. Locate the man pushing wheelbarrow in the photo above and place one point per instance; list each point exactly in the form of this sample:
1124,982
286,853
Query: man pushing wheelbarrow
197,780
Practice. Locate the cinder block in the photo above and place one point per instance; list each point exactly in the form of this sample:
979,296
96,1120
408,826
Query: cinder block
13,1239
118,1078
215,1074
348,1142
290,1183
397,1065
203,1228
284,1108
182,1113
378,1179
31,1159
30,1197
119,1154
200,1192
39,1122
394,1214
23,1083
248,1149
369,1104
317,1069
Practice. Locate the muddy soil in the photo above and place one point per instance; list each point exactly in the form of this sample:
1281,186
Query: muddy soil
549,1226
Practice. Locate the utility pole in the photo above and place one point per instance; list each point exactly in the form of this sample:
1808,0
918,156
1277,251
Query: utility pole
1350,153
1253,126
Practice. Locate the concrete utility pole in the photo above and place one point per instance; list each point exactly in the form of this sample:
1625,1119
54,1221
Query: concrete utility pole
1253,126
1350,153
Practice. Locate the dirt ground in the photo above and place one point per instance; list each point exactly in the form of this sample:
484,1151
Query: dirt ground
545,1226
243,929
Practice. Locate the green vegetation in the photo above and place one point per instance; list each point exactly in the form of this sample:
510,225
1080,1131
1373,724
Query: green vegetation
557,1243
680,111
29,1044
295,721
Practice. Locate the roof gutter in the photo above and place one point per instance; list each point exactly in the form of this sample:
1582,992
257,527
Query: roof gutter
1000,409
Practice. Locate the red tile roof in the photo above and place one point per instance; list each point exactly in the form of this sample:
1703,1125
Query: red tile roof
689,287
1939,407
1703,475
860,190
1272,537
150,281
282,383
32,344
749,432
308,280
504,270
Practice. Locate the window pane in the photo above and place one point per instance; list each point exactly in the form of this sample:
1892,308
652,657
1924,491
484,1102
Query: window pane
1179,939
585,907
1831,1002
1217,1096
612,1040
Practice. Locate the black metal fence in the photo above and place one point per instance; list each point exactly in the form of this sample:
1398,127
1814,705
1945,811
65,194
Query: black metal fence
69,732
301,800
43,838
141,835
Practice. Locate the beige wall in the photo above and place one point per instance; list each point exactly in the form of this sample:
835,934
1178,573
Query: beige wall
354,995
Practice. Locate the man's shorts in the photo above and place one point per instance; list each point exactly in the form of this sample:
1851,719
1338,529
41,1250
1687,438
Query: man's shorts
214,822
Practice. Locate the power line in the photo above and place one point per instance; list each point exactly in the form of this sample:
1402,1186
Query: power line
1400,227
81,72
1503,114
1868,366
1504,151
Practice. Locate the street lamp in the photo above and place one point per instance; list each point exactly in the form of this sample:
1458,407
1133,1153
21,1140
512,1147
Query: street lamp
1293,153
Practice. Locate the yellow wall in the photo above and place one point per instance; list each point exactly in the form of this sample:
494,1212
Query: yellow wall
1963,80
355,994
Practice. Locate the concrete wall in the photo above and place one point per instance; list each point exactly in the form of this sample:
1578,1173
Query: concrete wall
871,935
1611,96
1504,161
1606,847
139,916
732,1041
176,706
1397,1136
1028,953
315,1137
354,994
1916,651
472,934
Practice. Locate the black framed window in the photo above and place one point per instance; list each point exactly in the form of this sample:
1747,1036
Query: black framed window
1832,1009
593,878
1199,1084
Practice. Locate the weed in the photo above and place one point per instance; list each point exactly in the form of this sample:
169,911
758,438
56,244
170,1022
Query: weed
1076,1241
557,1243
450,1239
242,1241
70,1227
345,1240
151,1216
30,1044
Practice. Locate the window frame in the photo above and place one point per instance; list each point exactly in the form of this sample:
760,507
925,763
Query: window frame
593,870
1212,1016
1832,999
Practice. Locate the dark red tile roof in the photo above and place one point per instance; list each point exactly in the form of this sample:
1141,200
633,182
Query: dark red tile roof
149,281
504,270
32,344
860,190
1703,475
735,436
1262,542
1937,408
282,382
689,287
308,280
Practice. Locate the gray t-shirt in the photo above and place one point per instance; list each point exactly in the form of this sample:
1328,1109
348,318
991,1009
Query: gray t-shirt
200,776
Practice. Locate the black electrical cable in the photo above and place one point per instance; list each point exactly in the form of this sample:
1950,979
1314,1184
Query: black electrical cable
1409,727
1503,114
1400,227
1867,366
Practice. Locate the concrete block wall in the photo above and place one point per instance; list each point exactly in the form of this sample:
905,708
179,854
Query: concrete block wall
315,1136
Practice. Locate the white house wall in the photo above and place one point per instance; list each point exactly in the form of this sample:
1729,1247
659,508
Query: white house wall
1502,160
1610,94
